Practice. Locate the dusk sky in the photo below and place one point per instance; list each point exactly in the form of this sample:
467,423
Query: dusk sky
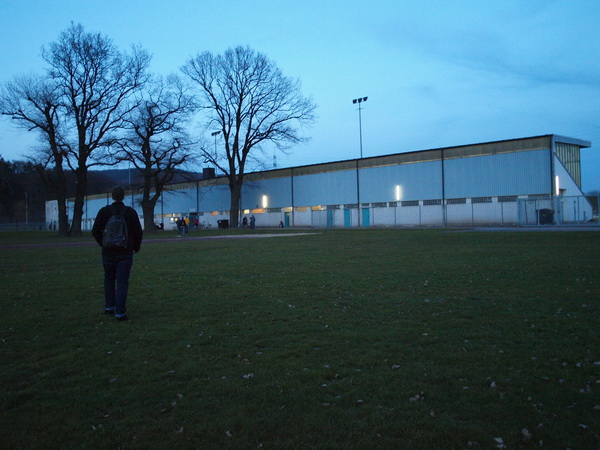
436,73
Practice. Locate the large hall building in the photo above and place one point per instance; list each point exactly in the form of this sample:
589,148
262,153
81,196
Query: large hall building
528,181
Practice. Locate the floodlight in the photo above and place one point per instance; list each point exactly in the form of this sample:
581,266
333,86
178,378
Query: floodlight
359,101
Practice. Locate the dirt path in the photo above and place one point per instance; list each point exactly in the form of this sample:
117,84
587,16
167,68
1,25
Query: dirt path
147,241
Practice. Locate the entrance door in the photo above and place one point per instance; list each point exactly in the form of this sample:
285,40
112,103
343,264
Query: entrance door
366,217
347,218
330,216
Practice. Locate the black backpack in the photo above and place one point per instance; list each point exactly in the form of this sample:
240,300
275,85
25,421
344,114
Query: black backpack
115,232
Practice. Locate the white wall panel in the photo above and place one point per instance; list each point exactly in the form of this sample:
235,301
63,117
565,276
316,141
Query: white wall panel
504,174
334,188
277,190
419,181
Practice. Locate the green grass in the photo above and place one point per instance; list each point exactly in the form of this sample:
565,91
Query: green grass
341,339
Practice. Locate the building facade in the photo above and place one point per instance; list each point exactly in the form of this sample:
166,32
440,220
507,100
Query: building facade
528,181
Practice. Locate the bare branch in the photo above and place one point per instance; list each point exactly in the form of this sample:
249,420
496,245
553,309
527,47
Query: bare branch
248,99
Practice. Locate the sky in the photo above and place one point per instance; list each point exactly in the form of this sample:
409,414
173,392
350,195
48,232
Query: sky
437,73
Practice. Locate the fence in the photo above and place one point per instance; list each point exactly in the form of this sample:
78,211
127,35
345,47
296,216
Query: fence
557,210
24,226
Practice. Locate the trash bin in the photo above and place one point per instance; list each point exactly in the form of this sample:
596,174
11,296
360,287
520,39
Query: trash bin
546,216
223,223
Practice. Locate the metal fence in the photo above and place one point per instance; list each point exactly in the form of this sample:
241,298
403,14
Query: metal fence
557,210
24,226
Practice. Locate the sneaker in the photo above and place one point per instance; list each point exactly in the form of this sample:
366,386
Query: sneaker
123,318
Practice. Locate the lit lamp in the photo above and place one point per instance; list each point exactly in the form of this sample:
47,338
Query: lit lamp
359,101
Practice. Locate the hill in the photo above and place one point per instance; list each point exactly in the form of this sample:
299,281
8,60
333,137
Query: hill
100,181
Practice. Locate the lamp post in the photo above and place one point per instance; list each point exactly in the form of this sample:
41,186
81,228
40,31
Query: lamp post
215,134
26,209
359,101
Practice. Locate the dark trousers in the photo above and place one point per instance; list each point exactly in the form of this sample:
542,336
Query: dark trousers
117,268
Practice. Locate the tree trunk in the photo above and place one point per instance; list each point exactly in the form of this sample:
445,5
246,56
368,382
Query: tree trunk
58,184
63,218
60,188
235,190
149,205
148,211
80,187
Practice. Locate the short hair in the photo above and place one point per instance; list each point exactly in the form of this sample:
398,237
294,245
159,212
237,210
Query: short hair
118,194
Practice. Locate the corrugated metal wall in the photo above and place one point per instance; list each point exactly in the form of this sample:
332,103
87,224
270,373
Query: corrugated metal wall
332,188
419,180
502,174
422,181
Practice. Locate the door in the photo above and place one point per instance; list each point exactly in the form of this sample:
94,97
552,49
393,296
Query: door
366,217
330,218
347,218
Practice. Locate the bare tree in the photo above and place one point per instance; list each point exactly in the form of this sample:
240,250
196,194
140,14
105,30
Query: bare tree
249,100
33,103
156,142
96,82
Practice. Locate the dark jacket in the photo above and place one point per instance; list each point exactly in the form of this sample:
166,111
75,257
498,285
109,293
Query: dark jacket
134,228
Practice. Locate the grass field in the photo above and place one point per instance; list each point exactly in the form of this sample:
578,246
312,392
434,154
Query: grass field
416,339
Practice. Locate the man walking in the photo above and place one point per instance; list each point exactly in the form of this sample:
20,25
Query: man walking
118,231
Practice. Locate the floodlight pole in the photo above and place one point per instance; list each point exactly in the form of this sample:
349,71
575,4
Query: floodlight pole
215,134
359,101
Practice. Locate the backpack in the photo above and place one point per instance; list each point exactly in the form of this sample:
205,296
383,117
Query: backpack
115,232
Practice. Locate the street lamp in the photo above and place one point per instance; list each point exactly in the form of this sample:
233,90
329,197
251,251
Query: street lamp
215,134
359,101
26,209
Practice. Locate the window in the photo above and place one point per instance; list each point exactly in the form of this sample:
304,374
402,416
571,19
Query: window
432,202
411,203
481,200
569,156
456,201
507,198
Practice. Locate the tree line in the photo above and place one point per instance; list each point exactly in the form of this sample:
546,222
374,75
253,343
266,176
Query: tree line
97,105
22,192
24,189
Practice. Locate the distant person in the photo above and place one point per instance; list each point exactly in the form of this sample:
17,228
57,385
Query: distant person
281,225
252,222
118,231
245,222
181,226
